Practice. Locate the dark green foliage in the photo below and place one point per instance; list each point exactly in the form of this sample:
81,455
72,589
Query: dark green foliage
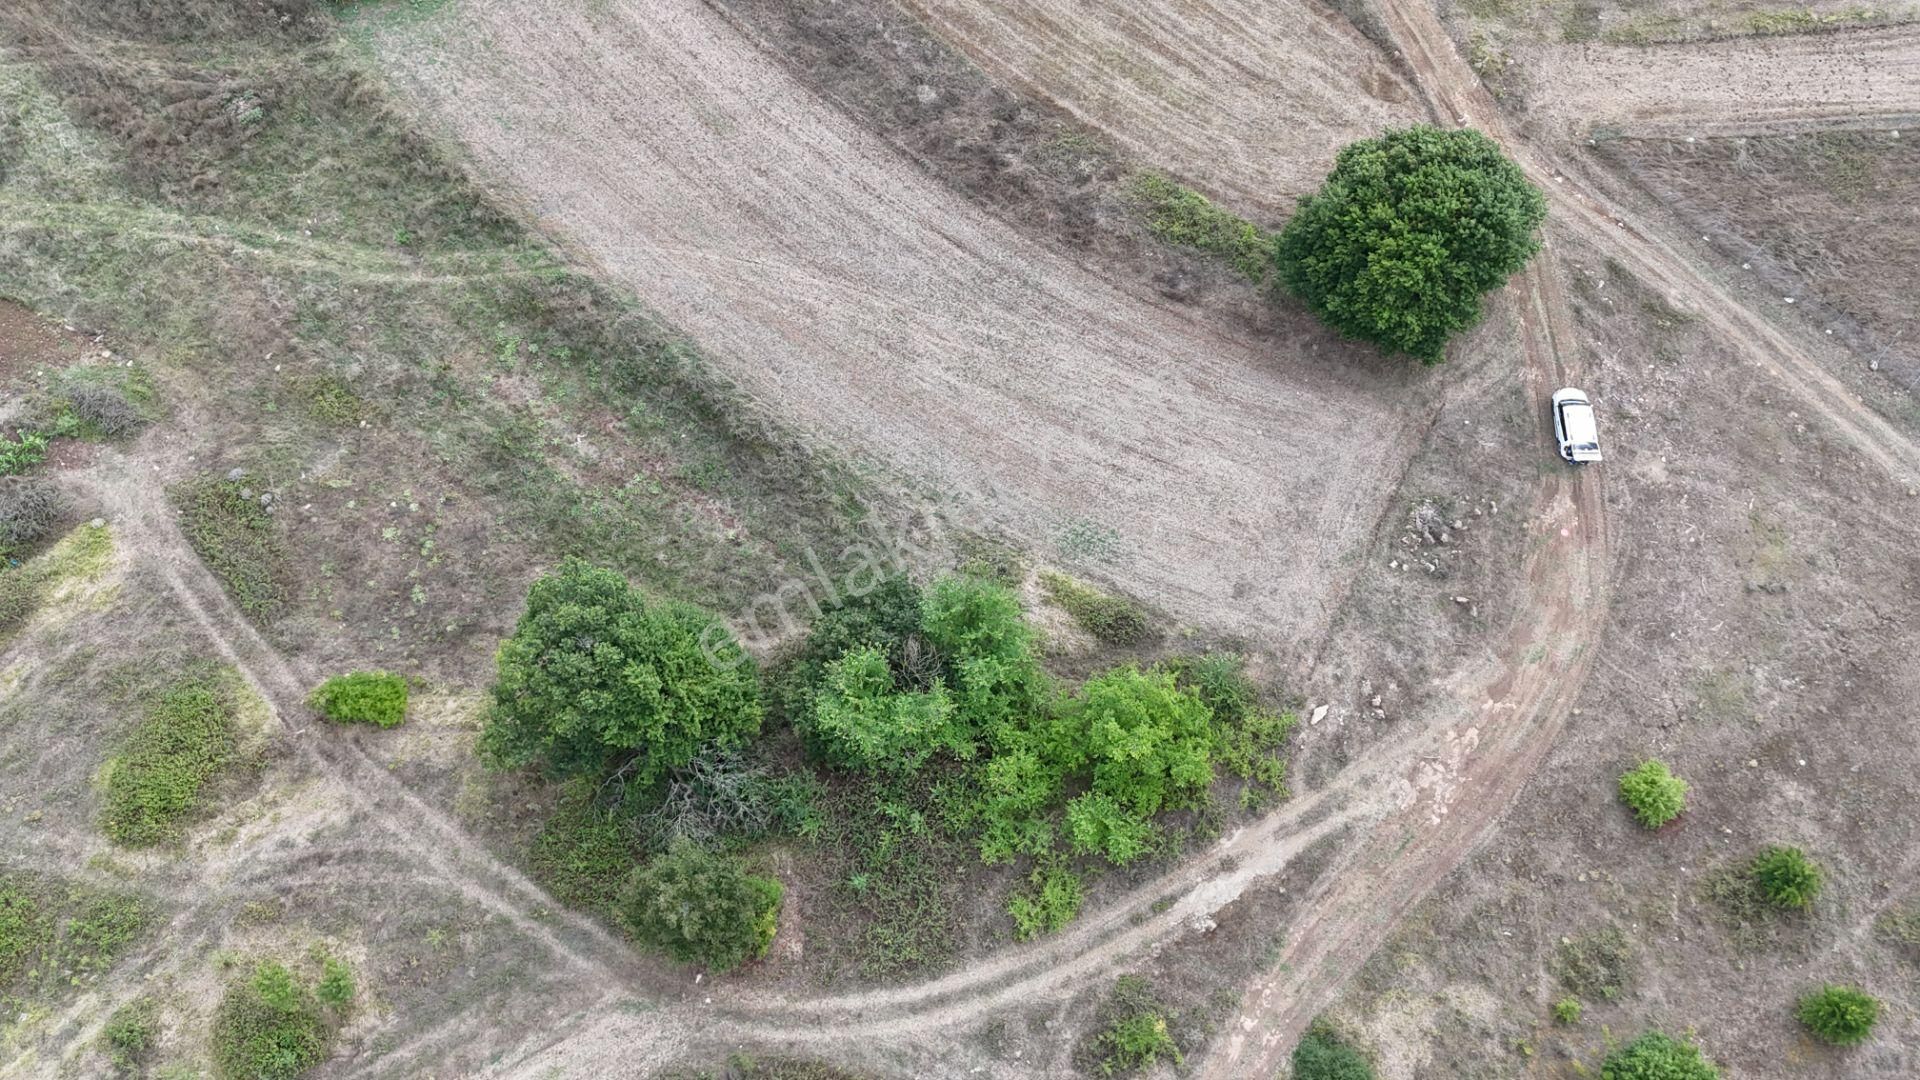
335,989
1048,903
1841,1015
1322,1054
701,907
1134,1030
29,509
886,617
1656,1056
268,1027
1786,877
1653,793
597,677
235,536
585,851
186,739
1114,620
1180,215
364,697
131,1032
1595,966
1408,231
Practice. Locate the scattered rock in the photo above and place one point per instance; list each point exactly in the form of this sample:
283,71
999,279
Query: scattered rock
1319,714
235,474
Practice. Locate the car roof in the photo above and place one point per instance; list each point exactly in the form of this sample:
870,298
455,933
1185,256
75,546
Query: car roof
1577,416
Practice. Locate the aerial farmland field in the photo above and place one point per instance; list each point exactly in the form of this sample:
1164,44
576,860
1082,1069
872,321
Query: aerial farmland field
959,538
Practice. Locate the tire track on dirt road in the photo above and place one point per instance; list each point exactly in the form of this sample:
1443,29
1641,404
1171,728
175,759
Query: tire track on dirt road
866,303
1867,77
134,501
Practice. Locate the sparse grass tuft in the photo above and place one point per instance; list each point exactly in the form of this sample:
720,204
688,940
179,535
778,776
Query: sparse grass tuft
235,536
187,738
364,697
1901,927
1653,793
1114,620
55,935
1134,1030
130,1034
82,555
1596,966
1180,215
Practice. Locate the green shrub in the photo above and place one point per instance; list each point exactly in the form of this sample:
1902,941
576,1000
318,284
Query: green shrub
184,741
23,452
1247,736
1134,1032
235,536
131,1032
1656,1056
1786,877
364,697
596,678
1568,1010
1322,1055
864,722
1180,215
1408,231
335,989
1050,901
1149,742
701,907
886,617
267,1027
1841,1015
1113,620
1653,793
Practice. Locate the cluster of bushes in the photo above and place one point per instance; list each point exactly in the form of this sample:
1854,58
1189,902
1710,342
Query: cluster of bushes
186,739
364,697
933,698
274,1024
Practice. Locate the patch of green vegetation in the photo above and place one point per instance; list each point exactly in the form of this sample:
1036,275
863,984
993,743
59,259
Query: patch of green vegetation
234,535
1839,1015
1657,1056
1134,1030
83,555
1786,877
700,907
329,399
363,697
1113,620
1322,1054
1049,902
584,851
269,1026
1568,1010
187,738
336,989
130,1034
1180,215
1660,28
1653,793
22,452
1248,737
56,935
747,1067
1597,966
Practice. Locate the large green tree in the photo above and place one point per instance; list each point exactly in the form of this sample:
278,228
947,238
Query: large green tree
1408,231
597,677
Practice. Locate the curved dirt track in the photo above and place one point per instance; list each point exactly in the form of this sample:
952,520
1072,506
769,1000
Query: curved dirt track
1739,86
863,301
1248,99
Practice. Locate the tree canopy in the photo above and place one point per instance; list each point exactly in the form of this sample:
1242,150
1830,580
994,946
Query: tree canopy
1408,231
701,907
596,676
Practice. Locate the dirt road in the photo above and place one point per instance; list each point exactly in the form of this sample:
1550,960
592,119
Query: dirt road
866,303
1740,86
1248,99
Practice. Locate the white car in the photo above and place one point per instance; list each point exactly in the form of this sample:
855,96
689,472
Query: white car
1573,425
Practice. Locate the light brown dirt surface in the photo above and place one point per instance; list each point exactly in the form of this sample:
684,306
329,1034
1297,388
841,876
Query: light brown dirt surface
1246,99
878,310
1851,77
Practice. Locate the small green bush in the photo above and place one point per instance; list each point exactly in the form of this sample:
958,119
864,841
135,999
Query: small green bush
268,1027
1841,1015
131,1032
23,452
1113,620
235,536
186,739
1050,901
1653,793
1786,877
364,697
1135,1032
1180,215
336,988
1247,736
1568,1010
1657,1056
701,907
1322,1054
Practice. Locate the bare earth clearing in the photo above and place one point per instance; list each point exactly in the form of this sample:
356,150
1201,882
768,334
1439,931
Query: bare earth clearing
868,304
